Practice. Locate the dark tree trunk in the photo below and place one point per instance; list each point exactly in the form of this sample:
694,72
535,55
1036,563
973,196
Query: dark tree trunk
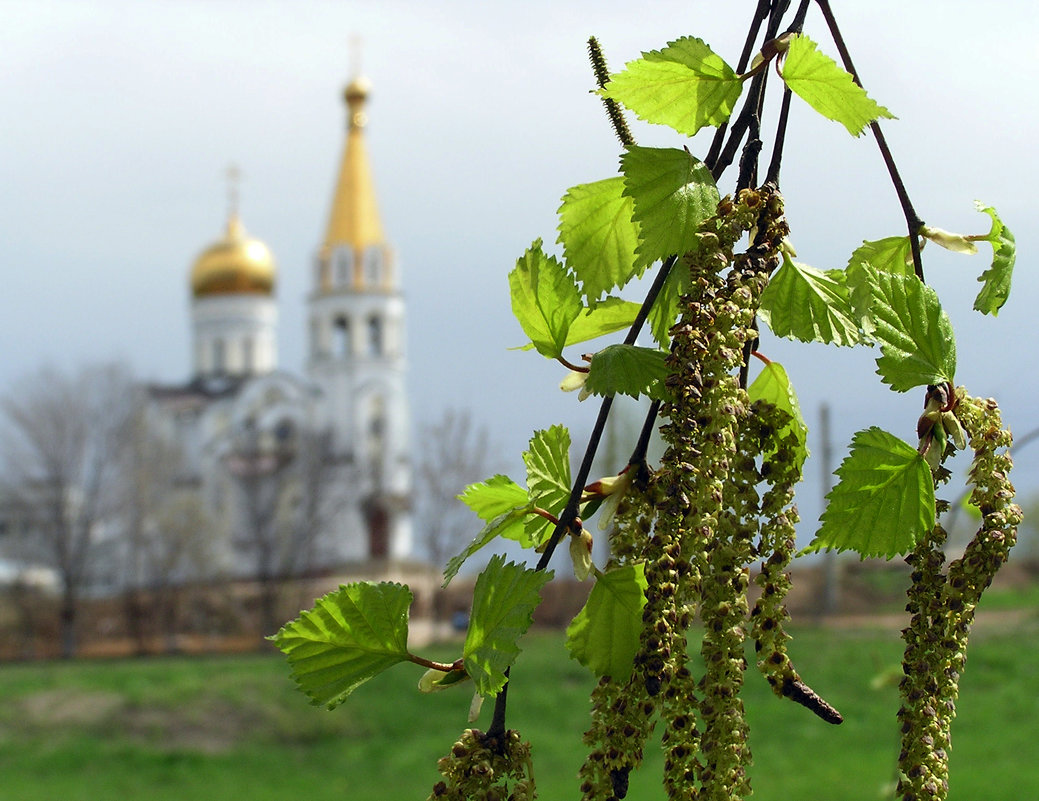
68,622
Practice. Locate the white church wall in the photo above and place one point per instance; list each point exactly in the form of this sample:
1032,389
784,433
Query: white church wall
223,324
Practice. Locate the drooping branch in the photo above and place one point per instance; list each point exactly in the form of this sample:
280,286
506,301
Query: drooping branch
772,176
913,222
751,105
760,13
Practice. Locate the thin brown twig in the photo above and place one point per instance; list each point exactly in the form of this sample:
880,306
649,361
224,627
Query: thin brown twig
913,221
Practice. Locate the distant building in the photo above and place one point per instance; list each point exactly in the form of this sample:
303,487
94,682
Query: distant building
242,422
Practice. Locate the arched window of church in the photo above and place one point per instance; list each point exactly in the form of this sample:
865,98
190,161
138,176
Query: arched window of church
248,356
375,336
342,336
343,267
219,356
377,425
373,267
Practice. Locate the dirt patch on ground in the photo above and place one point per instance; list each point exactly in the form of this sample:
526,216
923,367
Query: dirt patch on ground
68,708
207,727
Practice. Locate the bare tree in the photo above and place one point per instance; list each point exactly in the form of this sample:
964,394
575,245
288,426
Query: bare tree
453,452
150,469
290,487
61,447
166,532
179,548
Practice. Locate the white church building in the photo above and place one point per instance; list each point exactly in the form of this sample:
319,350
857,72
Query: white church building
254,436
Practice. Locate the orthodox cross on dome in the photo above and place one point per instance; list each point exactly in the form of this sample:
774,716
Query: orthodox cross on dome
234,181
356,48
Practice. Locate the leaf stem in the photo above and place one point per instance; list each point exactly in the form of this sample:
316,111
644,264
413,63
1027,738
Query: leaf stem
912,220
446,667
577,368
547,515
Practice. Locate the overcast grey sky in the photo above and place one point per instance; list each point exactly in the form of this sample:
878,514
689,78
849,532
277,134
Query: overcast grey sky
120,118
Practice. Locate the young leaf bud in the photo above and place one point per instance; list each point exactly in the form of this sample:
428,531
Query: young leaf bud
434,680
575,379
474,707
581,554
957,243
955,429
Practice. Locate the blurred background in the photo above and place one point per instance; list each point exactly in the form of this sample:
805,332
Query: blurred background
134,133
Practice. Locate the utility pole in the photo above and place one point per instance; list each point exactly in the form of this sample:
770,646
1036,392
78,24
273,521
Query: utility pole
831,567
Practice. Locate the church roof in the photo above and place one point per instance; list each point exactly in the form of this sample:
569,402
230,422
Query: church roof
201,389
354,221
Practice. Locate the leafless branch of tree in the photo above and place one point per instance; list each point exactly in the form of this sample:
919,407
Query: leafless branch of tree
289,491
61,447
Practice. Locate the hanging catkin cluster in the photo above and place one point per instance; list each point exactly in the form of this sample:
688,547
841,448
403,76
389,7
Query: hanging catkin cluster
780,471
622,711
942,605
701,534
706,504
483,768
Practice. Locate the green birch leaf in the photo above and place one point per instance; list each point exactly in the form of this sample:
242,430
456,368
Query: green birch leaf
883,502
773,386
819,81
685,86
495,496
604,317
504,600
891,255
509,525
545,300
673,193
348,637
598,236
598,319
917,343
628,370
801,302
604,637
666,307
996,279
548,478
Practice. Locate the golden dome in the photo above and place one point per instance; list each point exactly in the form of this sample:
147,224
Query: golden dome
237,264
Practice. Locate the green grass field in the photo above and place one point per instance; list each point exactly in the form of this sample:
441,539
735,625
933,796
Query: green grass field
235,728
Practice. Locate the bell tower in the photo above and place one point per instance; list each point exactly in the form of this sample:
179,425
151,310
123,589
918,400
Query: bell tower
356,351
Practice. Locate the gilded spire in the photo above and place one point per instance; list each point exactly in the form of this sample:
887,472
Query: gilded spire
354,220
